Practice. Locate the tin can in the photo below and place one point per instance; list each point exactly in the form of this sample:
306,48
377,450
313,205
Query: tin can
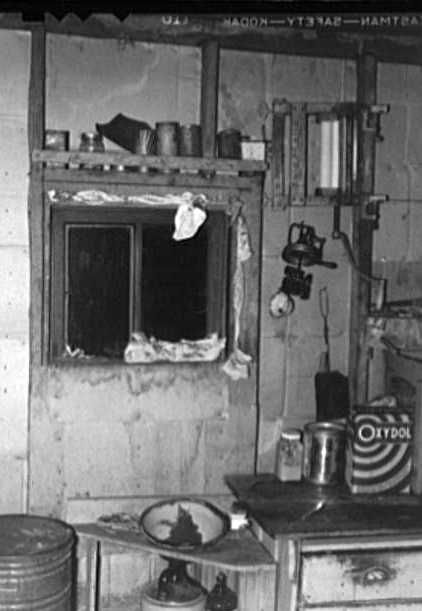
228,144
324,453
145,142
167,138
56,140
190,141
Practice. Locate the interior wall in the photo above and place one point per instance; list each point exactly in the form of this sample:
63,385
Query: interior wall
290,347
397,243
155,83
139,430
398,247
89,81
14,269
158,83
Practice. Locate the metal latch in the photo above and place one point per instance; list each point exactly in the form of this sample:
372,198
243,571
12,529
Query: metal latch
372,208
371,119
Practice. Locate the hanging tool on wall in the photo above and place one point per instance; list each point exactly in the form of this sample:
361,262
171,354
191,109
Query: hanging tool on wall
303,249
338,234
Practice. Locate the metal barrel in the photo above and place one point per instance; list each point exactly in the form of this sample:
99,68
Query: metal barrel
324,453
37,556
190,144
167,138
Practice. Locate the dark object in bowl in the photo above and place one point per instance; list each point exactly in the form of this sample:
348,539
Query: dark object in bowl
184,523
131,134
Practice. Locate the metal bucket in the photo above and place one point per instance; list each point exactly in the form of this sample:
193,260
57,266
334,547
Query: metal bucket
324,453
36,563
167,138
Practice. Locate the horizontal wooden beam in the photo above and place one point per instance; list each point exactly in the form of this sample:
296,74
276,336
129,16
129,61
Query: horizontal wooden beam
60,179
260,33
75,158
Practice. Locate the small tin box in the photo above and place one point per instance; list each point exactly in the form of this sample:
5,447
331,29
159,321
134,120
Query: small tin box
56,140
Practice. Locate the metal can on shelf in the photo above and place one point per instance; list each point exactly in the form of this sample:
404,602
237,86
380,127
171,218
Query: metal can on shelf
190,144
324,453
167,138
56,140
228,144
290,455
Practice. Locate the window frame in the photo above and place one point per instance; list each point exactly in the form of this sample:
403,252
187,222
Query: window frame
63,215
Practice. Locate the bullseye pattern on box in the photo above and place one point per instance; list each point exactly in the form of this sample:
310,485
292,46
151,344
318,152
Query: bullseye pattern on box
379,456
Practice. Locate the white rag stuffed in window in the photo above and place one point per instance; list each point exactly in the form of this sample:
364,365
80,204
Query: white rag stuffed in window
187,221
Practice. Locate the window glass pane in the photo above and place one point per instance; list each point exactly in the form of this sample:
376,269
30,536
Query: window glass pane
174,284
98,291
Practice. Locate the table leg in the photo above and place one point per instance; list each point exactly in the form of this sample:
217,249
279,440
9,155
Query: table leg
93,575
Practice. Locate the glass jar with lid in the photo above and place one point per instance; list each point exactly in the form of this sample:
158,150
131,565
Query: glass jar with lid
91,142
290,455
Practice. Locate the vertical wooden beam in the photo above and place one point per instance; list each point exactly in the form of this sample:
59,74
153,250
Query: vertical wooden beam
362,230
36,108
298,155
209,96
277,159
36,118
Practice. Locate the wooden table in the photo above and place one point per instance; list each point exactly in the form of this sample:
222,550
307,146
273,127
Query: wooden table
238,551
335,550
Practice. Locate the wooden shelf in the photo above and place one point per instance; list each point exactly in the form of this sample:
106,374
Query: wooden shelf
75,159
239,551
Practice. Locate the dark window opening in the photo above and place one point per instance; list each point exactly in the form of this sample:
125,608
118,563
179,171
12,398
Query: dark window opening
98,298
174,284
119,271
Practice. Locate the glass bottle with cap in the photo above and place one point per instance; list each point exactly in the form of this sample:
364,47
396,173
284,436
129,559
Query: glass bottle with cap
221,597
289,455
